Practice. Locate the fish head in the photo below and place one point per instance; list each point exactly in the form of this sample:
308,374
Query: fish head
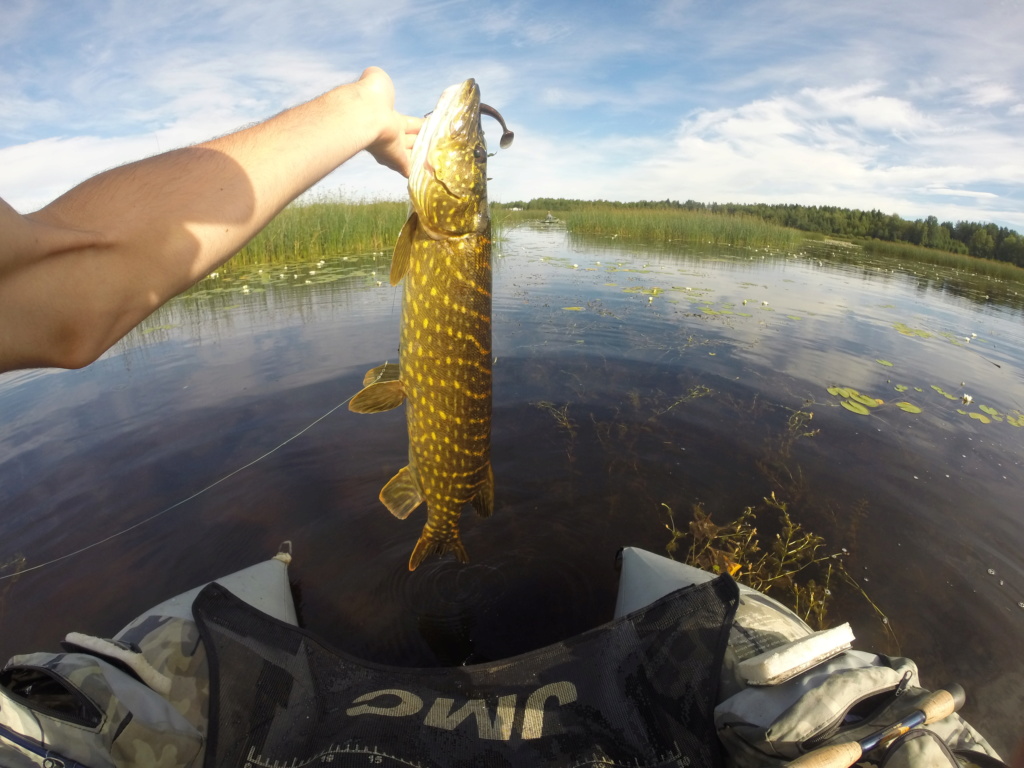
448,180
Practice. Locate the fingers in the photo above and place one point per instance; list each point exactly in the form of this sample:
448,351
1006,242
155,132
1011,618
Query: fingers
393,147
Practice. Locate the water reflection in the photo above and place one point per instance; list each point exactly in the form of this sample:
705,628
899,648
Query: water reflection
626,380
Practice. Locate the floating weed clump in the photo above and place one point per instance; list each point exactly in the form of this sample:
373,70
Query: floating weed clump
906,330
796,568
645,291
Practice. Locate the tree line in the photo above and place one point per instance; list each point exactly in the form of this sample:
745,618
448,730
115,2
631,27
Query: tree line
987,241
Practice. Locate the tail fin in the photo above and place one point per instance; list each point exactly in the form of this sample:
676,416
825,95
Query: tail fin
424,548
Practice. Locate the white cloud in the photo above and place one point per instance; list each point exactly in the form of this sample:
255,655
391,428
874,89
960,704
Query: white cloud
989,94
861,104
866,104
848,146
38,172
959,193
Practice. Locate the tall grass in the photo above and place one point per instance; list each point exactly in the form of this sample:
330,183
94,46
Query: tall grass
309,231
908,252
681,225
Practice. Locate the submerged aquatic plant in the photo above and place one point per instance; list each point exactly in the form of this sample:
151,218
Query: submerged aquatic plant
782,570
796,568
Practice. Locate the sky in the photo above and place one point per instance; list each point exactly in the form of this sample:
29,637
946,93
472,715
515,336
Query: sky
913,107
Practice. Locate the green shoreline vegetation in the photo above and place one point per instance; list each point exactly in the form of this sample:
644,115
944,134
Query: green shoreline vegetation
663,225
985,241
326,227
307,231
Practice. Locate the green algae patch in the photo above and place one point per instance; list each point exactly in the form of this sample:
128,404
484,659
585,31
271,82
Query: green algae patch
906,330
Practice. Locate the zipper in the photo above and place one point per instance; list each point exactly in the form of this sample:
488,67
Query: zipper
835,725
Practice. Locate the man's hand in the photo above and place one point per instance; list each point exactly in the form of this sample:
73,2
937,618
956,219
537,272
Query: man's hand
80,273
393,148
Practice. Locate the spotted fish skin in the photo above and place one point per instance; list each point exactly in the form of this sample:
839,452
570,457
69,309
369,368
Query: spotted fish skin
444,371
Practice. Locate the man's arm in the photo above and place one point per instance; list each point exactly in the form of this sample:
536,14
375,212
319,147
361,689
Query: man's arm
80,273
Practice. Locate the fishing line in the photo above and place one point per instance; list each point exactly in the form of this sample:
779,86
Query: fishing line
140,523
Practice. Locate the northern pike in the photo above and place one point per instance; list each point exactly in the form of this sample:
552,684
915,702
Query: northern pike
444,370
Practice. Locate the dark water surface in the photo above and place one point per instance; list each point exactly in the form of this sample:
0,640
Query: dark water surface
628,382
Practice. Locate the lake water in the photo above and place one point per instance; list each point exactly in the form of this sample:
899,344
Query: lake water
629,382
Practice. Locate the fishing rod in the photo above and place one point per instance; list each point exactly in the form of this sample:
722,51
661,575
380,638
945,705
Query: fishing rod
936,706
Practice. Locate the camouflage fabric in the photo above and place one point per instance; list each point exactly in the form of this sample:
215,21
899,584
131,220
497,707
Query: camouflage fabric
772,725
172,646
100,717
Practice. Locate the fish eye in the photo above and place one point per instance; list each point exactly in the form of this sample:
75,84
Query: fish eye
479,153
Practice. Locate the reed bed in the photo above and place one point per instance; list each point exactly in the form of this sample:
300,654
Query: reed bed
308,231
316,230
681,225
1001,270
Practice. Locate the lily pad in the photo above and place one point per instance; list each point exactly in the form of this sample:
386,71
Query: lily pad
901,387
989,410
886,363
833,391
945,394
980,417
855,407
908,407
573,309
870,402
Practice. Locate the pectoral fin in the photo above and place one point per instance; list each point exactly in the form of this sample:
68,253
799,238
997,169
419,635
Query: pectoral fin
483,502
401,495
382,396
403,249
386,372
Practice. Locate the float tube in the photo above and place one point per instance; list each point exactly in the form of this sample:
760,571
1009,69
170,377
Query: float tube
693,669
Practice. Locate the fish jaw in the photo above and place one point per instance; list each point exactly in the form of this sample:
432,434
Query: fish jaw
448,180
